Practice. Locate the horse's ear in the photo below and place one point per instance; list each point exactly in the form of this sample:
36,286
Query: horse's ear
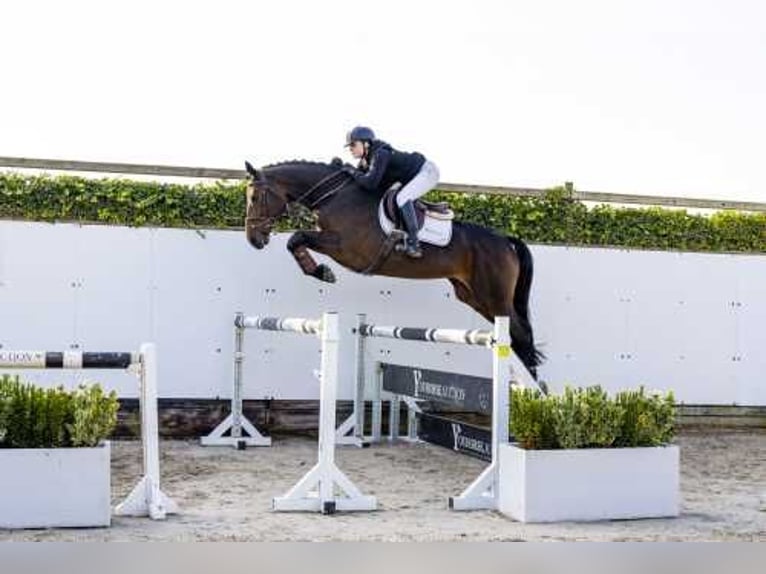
251,170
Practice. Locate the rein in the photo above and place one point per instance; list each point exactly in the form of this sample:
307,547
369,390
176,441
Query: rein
334,188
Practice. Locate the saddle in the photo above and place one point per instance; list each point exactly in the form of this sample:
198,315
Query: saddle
438,210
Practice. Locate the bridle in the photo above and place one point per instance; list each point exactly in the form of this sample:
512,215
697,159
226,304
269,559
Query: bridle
255,223
335,181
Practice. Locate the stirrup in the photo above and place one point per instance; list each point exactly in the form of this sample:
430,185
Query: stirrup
406,244
412,249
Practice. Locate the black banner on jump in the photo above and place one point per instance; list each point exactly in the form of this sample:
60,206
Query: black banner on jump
467,392
456,435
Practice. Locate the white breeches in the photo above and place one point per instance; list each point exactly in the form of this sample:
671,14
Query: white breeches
422,183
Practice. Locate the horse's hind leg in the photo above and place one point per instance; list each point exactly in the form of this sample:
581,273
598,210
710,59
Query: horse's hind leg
464,294
482,301
299,244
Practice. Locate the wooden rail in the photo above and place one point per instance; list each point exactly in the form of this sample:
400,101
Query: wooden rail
224,174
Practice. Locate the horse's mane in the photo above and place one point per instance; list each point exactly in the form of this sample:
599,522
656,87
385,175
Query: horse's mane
331,176
292,162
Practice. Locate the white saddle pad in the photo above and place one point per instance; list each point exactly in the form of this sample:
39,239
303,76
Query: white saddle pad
436,230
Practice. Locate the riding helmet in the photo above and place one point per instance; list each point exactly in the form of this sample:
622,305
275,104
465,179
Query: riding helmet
359,133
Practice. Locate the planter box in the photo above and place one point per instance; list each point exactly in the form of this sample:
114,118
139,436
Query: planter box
588,484
55,487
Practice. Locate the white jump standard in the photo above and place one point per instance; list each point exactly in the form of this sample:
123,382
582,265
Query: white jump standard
236,422
146,498
506,366
316,490
242,432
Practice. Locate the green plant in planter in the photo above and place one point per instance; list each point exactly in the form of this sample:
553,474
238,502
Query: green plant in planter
33,417
586,418
6,383
589,418
648,420
95,415
532,419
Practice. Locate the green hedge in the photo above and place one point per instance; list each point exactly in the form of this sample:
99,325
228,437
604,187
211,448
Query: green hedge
555,218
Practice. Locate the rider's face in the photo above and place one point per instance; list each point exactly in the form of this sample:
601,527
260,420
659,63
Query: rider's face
357,149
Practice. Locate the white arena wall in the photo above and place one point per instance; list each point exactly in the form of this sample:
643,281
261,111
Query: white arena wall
690,322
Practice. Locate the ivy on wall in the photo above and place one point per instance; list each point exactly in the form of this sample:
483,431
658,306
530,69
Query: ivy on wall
554,218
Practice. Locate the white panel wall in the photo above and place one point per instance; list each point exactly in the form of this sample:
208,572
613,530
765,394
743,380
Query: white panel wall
677,321
690,322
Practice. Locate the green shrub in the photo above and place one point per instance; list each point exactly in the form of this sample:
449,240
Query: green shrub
95,415
556,217
589,418
648,420
34,417
586,418
532,422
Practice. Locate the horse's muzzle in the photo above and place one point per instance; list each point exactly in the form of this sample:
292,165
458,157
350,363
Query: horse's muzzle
258,239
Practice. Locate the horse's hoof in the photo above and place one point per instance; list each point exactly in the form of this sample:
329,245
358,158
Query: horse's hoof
324,273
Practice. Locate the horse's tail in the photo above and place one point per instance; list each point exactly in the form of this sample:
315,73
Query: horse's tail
521,294
524,282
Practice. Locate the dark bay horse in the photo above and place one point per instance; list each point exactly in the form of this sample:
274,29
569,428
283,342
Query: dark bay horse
489,272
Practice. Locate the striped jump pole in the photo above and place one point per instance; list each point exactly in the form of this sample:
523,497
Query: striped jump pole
287,324
456,336
475,337
10,359
146,498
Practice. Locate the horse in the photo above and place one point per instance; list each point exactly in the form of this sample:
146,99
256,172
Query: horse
489,272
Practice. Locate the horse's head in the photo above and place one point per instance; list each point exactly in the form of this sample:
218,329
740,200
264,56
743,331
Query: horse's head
266,201
272,190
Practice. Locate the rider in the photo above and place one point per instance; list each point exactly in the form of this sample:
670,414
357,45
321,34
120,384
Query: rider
380,166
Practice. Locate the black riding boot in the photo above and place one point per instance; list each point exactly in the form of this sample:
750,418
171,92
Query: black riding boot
410,219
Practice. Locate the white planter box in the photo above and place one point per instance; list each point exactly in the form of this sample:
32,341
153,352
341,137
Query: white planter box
55,487
588,484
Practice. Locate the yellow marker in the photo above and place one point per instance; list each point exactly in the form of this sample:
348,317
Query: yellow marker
503,351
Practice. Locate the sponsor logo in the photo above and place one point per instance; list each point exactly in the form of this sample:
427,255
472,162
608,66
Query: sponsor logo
462,442
426,390
21,357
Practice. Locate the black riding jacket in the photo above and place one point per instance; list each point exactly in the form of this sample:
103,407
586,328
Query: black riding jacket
383,166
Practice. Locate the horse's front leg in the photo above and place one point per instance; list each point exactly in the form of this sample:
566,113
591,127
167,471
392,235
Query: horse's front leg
320,241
